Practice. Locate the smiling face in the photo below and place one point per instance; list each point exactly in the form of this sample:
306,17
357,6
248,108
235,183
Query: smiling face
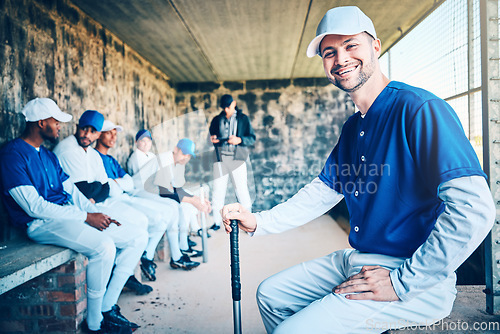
349,61
108,138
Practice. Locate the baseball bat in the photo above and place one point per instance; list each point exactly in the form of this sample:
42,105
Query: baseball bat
235,276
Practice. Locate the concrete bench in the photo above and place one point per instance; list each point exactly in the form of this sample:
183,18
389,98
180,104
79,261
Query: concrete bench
42,288
23,260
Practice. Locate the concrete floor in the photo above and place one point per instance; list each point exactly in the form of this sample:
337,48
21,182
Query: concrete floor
200,302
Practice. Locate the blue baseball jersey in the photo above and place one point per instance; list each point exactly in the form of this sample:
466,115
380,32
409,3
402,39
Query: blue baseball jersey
390,163
112,167
22,165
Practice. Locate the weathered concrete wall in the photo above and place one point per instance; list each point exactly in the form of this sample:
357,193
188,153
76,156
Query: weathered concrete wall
297,124
50,48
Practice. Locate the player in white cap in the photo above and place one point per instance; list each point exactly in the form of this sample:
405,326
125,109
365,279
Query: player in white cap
418,201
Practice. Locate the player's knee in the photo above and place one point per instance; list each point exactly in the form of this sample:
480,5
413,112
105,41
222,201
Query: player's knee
140,238
142,220
106,249
104,253
264,292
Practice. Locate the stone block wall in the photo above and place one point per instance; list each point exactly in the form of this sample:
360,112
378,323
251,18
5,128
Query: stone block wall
50,48
54,302
297,124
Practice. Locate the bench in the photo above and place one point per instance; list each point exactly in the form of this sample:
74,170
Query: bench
23,260
42,288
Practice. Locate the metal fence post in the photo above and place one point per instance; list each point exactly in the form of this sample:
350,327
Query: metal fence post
490,73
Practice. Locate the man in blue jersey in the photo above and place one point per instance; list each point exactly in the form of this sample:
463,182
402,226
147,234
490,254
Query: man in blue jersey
418,200
40,199
163,215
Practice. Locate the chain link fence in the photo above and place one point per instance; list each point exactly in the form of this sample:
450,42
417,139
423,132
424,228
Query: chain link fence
442,54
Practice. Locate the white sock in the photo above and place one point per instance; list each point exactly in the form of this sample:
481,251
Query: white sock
94,315
183,240
173,241
115,287
152,244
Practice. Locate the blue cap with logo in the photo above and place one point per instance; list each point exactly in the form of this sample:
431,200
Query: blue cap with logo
143,133
91,118
186,146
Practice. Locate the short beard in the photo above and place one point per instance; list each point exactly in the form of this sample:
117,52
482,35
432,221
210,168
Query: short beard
366,73
81,144
52,140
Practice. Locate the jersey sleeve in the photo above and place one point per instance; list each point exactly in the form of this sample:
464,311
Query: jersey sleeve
119,170
13,171
439,147
62,175
329,174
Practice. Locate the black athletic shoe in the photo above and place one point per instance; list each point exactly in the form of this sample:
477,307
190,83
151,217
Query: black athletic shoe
191,243
192,252
200,232
183,263
148,268
106,329
113,319
138,287
215,227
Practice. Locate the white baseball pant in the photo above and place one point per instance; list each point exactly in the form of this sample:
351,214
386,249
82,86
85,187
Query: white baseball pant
238,171
177,228
119,245
300,299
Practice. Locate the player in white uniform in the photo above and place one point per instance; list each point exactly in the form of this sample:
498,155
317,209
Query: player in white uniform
39,197
84,166
163,215
164,175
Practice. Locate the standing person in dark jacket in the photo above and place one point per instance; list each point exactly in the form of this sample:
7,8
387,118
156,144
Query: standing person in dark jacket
232,134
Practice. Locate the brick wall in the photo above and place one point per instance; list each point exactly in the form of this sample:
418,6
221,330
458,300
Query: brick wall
54,302
297,123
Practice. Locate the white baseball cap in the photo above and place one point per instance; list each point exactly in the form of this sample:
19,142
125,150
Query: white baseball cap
349,20
42,108
108,126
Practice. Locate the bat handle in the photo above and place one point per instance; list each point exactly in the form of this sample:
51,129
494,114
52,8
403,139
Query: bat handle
235,261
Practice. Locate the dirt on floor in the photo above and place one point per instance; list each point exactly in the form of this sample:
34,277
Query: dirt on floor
199,301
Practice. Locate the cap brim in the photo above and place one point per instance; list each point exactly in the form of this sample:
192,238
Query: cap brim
313,47
63,117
